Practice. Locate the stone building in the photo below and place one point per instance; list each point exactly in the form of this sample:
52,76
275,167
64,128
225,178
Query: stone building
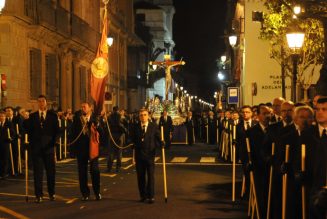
48,46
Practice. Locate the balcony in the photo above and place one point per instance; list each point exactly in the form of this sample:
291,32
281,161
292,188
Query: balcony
55,18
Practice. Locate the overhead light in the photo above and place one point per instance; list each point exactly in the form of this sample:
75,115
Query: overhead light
110,40
223,58
232,40
221,76
2,4
297,9
295,40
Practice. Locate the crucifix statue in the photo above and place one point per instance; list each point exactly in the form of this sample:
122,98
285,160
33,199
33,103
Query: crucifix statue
167,64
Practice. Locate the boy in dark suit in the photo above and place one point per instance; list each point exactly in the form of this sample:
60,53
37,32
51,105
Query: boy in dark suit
146,137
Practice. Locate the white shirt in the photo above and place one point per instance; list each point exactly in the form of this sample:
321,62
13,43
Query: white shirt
264,129
44,113
146,126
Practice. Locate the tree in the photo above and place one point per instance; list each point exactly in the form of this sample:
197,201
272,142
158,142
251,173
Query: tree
277,20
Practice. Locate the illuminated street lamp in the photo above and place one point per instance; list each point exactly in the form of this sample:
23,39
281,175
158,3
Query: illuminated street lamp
110,40
295,41
2,5
221,76
223,58
232,40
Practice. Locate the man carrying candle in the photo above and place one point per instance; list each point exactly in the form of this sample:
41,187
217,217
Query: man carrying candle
146,137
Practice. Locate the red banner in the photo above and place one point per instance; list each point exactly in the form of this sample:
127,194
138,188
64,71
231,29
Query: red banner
100,69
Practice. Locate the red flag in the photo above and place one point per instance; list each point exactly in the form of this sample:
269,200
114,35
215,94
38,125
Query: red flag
100,68
94,143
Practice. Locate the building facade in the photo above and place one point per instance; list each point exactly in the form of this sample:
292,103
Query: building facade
259,75
47,47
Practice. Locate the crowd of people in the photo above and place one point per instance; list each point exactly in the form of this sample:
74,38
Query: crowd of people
279,123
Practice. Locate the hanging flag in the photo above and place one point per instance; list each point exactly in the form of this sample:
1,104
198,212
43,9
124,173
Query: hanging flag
100,68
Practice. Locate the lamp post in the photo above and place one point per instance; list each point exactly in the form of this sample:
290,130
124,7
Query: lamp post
295,41
2,5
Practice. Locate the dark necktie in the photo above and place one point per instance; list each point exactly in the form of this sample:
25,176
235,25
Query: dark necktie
42,119
143,132
324,134
247,125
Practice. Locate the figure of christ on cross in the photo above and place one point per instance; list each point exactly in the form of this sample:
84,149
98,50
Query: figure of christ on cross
167,64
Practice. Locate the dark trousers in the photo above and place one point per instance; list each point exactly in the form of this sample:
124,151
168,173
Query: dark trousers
115,152
44,161
190,136
145,177
167,140
4,160
82,162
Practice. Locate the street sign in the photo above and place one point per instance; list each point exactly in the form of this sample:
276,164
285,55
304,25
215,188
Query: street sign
233,95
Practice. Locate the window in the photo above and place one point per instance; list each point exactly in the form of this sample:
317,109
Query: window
35,73
51,77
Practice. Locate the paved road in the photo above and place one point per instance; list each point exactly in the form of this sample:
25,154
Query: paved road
199,186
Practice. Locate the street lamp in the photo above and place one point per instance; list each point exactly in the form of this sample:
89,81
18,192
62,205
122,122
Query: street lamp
221,76
223,58
295,41
2,5
110,40
232,40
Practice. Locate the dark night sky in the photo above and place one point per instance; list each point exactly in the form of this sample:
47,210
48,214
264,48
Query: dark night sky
198,28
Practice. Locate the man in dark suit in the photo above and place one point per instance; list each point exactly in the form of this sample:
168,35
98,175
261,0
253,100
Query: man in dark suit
318,196
83,121
118,130
167,124
274,134
212,128
241,132
276,106
146,137
10,119
42,128
4,146
189,123
256,136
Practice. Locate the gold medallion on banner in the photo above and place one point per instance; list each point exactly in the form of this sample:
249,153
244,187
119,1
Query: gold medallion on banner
99,67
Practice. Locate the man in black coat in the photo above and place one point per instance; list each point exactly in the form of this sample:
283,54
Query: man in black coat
256,136
4,145
212,128
167,124
318,196
274,134
146,137
189,123
42,128
241,133
81,129
117,130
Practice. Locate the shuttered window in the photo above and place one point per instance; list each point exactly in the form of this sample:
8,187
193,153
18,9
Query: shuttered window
35,73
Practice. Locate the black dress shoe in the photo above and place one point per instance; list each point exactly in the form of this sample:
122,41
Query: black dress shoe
142,199
38,199
151,200
85,198
98,197
52,197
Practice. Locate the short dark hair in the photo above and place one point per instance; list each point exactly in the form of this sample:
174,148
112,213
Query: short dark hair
115,108
9,107
247,107
259,107
42,96
322,100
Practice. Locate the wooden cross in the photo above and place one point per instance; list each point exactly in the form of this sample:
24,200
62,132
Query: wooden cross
167,64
